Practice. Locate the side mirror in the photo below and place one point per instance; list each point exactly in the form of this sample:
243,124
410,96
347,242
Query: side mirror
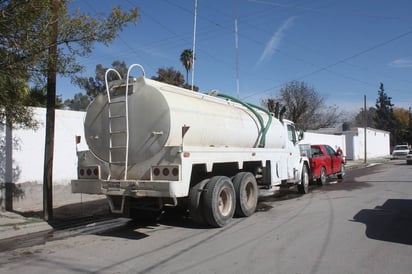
301,135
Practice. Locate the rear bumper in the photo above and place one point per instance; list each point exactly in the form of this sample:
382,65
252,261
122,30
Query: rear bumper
124,188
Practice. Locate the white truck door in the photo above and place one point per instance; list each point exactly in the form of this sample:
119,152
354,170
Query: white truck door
293,151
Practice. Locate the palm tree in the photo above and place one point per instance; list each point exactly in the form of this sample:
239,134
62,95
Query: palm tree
187,60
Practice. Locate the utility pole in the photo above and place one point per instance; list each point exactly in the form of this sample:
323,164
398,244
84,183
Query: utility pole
365,119
50,114
194,45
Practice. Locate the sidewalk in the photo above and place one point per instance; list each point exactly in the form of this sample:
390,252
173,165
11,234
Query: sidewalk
26,218
29,220
353,164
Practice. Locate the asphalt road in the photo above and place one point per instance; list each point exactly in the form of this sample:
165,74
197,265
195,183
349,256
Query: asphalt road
360,225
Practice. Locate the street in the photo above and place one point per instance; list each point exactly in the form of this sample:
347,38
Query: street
362,224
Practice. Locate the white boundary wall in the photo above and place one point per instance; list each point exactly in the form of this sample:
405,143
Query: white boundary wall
28,156
377,143
334,141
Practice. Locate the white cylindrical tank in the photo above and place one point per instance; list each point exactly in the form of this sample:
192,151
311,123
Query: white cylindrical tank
158,111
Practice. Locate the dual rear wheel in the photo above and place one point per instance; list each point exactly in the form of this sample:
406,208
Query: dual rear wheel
216,200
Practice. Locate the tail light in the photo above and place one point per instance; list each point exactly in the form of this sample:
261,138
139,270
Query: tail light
88,172
171,173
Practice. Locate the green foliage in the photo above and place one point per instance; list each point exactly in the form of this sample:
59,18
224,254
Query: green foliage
23,36
186,57
409,128
79,102
13,113
173,77
95,86
170,75
385,118
38,98
25,40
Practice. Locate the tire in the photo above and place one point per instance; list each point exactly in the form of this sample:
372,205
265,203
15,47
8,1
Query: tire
303,186
195,202
219,201
246,191
322,178
342,172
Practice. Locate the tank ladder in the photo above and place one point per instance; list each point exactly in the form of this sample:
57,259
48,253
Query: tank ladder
122,133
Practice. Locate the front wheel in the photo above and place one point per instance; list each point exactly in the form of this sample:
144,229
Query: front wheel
303,186
322,179
341,172
219,201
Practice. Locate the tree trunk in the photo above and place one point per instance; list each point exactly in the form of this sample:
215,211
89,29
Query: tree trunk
50,116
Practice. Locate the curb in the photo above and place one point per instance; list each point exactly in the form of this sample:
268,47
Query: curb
14,225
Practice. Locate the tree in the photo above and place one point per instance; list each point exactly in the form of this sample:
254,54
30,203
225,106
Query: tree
358,120
95,86
14,96
39,39
38,97
25,38
187,57
403,121
385,118
79,102
18,31
304,106
170,76
409,135
11,115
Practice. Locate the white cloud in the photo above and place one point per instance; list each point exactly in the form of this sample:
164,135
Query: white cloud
401,63
274,42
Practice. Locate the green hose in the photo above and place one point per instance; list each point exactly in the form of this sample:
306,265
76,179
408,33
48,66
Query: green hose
251,107
266,128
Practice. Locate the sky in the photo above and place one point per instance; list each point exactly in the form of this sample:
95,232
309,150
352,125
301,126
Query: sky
341,49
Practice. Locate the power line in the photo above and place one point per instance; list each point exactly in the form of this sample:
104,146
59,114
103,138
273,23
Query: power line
344,59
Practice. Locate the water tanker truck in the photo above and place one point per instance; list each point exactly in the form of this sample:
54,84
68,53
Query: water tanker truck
153,145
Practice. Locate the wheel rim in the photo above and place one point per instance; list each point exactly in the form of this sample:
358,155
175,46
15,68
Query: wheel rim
249,195
225,202
306,179
323,176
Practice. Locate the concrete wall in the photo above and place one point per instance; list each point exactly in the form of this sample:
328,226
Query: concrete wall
377,143
334,141
28,154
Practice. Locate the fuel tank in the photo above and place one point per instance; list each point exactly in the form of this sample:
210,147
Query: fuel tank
158,113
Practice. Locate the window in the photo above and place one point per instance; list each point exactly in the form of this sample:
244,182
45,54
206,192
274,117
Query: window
292,134
330,150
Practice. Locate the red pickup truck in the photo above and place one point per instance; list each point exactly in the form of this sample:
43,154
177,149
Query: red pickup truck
325,162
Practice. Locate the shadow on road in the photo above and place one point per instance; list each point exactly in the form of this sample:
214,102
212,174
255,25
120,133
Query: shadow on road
390,222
